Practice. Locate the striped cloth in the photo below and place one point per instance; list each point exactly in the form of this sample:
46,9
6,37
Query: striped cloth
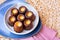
45,34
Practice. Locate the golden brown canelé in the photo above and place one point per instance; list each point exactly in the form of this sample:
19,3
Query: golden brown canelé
14,11
30,15
28,24
20,17
11,20
22,9
18,27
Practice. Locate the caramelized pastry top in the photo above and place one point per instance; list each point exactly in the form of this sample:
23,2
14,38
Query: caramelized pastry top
12,19
18,24
22,9
27,22
14,11
29,14
20,17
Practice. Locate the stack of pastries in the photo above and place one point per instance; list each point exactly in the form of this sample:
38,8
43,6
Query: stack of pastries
21,19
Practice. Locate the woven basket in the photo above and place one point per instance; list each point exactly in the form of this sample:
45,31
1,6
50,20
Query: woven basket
49,11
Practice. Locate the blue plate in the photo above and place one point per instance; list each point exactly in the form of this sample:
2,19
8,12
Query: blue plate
5,32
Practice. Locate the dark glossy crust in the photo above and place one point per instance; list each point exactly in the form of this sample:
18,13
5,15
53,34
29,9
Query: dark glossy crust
11,23
24,11
18,29
20,19
29,26
12,12
32,17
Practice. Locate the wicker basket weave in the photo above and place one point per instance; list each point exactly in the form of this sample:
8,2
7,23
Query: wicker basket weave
49,11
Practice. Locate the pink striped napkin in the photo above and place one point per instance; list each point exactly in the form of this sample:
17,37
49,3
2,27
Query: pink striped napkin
55,38
44,34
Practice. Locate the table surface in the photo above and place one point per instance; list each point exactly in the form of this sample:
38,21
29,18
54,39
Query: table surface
49,11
